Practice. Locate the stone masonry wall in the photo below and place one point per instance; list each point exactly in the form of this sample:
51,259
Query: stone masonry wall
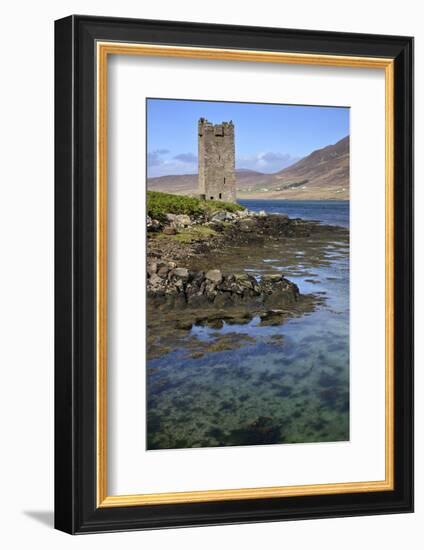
217,179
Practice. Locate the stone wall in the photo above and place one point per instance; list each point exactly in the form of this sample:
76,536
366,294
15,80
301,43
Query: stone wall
217,180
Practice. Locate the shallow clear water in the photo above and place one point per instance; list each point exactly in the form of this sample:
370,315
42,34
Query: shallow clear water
284,384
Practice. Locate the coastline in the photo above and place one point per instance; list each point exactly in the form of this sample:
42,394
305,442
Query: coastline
282,370
198,269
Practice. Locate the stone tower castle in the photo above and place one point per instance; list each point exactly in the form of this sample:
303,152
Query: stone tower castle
217,178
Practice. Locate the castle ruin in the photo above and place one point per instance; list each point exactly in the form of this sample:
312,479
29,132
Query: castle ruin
217,178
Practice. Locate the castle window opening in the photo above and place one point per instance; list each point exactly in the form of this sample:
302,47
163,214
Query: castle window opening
220,195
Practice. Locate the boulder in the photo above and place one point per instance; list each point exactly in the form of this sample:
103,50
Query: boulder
244,281
182,220
247,225
178,288
219,216
179,284
152,225
184,324
152,268
214,275
223,216
217,226
241,276
163,271
169,230
242,214
180,273
273,278
154,280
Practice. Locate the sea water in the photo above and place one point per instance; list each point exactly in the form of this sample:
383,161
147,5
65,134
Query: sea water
289,383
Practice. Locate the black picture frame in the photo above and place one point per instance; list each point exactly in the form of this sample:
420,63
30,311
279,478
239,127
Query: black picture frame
76,510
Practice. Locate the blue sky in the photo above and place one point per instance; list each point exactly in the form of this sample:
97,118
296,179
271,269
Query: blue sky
267,137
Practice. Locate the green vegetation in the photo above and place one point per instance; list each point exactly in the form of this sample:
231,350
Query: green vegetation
188,234
294,184
194,233
160,204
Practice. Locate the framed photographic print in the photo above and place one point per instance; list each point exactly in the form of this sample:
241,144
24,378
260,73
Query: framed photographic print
233,274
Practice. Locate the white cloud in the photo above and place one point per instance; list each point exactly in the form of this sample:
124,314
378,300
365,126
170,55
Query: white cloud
267,162
186,157
154,158
161,163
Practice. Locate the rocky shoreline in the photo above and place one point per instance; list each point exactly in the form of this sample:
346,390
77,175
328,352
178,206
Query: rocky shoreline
221,229
186,295
172,287
247,326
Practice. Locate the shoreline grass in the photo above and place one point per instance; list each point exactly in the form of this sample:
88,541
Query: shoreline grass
159,204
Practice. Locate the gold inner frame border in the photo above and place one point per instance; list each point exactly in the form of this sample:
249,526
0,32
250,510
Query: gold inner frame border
103,50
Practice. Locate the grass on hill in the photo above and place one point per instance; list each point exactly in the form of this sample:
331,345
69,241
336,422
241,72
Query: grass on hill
159,204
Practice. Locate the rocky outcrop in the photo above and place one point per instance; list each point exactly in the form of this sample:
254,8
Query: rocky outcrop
178,222
190,281
171,287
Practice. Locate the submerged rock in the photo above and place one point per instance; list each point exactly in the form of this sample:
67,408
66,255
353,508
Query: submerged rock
262,431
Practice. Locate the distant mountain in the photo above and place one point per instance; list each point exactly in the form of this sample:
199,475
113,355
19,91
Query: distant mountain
324,174
187,184
180,185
